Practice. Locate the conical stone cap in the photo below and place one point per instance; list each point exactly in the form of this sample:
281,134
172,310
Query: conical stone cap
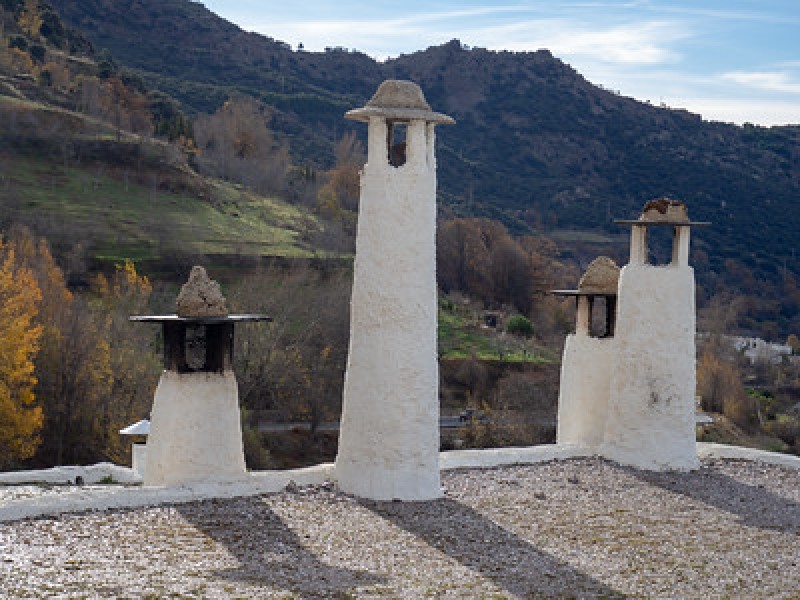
400,101
601,277
200,296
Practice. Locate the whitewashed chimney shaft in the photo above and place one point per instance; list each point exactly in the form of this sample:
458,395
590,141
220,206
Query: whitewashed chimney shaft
195,431
389,436
630,397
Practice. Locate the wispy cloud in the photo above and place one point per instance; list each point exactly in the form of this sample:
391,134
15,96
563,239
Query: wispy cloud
774,81
633,42
734,110
763,16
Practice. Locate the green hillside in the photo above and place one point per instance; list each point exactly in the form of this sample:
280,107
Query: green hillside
132,198
536,145
130,220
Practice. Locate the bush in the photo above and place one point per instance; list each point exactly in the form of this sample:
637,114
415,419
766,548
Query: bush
786,429
742,410
256,455
519,325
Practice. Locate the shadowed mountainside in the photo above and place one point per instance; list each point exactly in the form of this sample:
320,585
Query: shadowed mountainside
536,145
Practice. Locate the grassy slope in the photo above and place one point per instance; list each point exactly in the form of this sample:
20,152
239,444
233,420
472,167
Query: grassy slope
461,335
126,219
140,211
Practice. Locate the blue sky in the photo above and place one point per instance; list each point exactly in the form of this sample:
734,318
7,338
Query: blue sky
734,61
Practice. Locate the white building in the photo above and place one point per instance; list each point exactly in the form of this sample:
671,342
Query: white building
758,350
389,435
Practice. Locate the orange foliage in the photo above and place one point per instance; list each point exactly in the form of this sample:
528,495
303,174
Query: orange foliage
20,419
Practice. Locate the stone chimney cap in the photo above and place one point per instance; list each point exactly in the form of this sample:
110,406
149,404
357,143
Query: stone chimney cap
665,209
398,100
601,277
200,296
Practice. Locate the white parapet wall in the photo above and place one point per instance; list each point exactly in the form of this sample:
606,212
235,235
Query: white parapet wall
586,369
651,411
195,430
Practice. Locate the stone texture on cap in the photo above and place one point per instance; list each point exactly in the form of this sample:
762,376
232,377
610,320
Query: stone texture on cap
200,296
601,277
394,93
665,209
398,100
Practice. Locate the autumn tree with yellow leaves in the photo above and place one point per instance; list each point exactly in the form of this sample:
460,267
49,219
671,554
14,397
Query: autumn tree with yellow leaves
20,418
94,373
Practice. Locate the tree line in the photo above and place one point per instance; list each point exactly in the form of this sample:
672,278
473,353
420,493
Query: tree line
72,370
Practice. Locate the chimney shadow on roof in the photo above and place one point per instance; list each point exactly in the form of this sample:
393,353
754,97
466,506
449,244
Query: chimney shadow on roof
756,506
268,552
490,550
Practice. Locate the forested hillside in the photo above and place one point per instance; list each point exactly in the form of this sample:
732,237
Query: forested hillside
536,145
192,142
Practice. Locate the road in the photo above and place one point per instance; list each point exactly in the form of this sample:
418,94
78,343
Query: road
444,423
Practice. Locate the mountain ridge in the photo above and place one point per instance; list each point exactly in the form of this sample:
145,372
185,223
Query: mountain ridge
536,145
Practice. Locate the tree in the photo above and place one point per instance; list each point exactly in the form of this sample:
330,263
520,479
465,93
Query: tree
133,362
29,19
519,325
126,108
510,274
296,364
480,258
70,365
474,376
345,182
462,262
20,418
236,144
94,372
720,389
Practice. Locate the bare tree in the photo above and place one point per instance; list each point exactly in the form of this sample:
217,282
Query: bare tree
295,365
236,144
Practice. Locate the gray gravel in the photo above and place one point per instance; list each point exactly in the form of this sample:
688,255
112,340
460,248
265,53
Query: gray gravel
580,528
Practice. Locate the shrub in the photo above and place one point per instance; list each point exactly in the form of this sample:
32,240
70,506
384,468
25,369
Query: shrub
256,455
519,325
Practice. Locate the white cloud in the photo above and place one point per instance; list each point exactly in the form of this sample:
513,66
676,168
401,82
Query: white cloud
634,43
631,43
774,81
639,48
733,110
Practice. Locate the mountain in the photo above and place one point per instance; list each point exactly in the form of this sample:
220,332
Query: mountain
536,145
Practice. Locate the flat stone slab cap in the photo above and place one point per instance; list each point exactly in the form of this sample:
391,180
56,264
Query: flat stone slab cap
198,320
200,296
601,277
399,100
